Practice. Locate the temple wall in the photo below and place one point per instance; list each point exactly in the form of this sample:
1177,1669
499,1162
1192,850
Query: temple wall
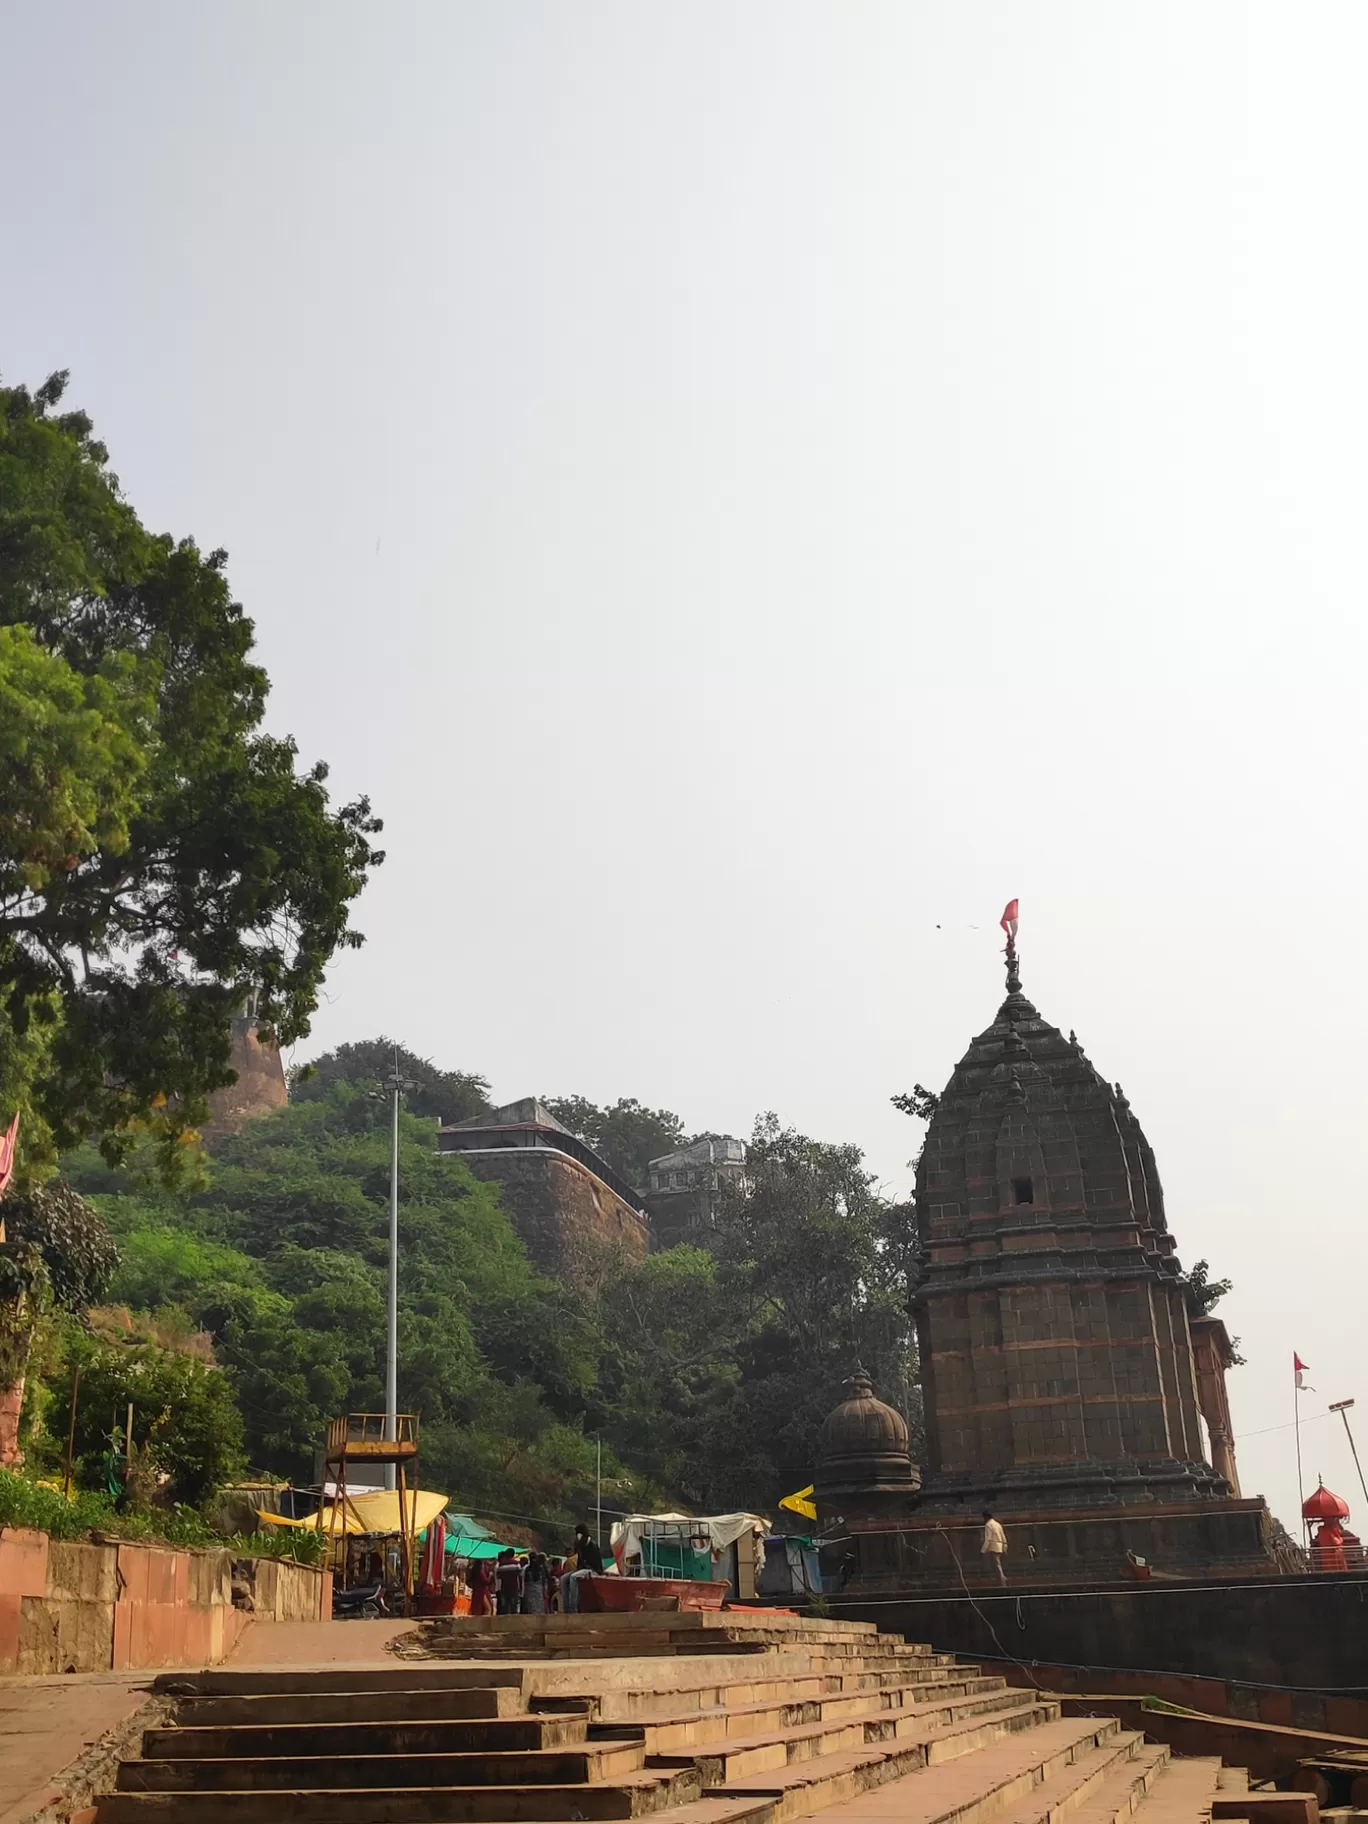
1057,1372
1301,1631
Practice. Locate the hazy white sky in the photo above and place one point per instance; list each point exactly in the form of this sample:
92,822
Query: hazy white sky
749,488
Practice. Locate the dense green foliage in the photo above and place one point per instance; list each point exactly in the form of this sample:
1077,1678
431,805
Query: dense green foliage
446,1095
627,1135
161,859
24,1502
281,1258
705,1373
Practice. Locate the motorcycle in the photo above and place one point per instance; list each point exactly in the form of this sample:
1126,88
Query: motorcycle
367,1602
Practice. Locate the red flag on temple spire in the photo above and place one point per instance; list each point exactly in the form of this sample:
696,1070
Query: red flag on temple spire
1299,1368
1008,921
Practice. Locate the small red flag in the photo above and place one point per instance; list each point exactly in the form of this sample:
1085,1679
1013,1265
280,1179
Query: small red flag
1008,921
1299,1368
7,1146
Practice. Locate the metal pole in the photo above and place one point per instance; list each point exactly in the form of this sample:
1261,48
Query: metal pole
392,1341
71,1429
1342,1408
598,1495
1301,1486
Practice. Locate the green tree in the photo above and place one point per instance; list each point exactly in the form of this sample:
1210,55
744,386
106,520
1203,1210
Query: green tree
627,1135
818,1262
447,1095
161,859
56,1252
186,1424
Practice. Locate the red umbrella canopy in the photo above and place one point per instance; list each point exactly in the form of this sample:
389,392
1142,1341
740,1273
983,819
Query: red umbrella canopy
1324,1506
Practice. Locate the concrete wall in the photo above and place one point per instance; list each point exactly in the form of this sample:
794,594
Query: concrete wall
75,1607
1252,1706
1305,1633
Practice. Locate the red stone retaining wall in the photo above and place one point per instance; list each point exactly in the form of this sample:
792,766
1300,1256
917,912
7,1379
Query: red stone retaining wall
73,1607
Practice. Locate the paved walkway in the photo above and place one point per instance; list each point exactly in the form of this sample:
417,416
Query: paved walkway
317,1643
46,1723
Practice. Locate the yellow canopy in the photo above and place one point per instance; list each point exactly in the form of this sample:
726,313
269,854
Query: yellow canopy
377,1512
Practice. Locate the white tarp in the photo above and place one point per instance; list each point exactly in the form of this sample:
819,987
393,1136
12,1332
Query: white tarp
721,1530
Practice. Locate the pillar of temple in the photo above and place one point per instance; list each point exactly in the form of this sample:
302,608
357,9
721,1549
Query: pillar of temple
1211,1351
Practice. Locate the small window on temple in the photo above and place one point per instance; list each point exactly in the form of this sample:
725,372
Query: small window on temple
1021,1190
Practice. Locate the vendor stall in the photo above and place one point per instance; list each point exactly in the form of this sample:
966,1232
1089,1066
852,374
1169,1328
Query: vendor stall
690,1548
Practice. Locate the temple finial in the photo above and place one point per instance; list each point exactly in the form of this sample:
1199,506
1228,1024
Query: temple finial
1008,921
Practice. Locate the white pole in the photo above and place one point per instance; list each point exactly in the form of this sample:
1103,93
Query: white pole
392,1340
1342,1408
1301,1487
598,1495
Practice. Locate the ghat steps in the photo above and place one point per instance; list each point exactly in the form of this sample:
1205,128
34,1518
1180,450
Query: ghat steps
741,1717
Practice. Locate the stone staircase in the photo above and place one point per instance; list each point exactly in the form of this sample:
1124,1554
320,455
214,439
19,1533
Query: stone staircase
742,1717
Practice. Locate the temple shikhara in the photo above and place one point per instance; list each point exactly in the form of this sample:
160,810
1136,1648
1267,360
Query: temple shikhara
1067,1382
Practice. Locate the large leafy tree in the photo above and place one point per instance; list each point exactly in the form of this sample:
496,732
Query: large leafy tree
449,1095
626,1134
162,860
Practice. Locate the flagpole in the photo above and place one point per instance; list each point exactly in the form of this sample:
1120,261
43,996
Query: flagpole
1296,1420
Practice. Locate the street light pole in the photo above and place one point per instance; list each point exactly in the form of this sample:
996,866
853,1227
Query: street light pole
1342,1408
396,1085
392,1335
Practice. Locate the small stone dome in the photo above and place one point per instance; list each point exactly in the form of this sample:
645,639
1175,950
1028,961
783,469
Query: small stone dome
863,1445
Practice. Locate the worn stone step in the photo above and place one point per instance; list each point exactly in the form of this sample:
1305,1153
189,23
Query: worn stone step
1183,1792
1125,1788
989,1786
1070,1787
732,1760
223,1681
634,1704
927,1720
269,1708
302,1773
407,1736
638,1795
831,1779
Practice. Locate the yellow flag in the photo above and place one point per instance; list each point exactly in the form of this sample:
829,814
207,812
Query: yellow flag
801,1503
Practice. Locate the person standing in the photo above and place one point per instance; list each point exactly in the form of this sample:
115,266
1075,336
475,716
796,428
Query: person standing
535,1585
994,1545
508,1579
588,1561
481,1580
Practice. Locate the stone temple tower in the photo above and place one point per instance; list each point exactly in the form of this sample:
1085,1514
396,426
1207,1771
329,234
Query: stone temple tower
1059,1380
1053,1322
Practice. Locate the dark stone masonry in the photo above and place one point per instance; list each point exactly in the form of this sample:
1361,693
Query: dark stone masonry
1060,1381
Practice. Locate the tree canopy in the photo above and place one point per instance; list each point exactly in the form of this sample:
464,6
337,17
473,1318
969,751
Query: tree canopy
162,860
627,1135
447,1095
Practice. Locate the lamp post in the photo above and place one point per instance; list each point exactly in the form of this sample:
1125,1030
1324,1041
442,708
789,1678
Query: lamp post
1342,1408
395,1085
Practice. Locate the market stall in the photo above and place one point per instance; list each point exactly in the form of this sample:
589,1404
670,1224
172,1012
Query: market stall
698,1559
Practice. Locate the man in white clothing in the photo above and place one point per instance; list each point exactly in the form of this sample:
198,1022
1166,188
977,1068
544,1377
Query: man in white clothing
994,1543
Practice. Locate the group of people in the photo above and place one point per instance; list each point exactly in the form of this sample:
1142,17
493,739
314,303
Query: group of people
532,1583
